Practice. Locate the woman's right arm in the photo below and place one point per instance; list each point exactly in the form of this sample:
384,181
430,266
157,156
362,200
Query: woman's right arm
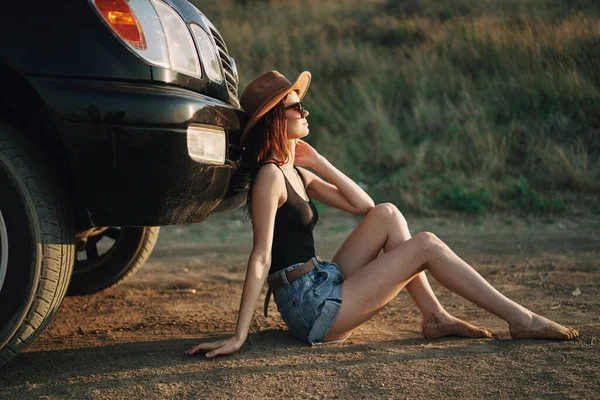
267,191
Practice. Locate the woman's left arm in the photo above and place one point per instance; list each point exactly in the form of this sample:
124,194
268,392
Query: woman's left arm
338,191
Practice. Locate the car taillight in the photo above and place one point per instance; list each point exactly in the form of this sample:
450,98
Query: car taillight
120,17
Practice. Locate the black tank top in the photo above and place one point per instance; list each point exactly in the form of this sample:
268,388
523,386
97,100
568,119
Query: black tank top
293,234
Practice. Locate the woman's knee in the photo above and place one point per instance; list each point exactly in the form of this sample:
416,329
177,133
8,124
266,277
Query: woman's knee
387,212
430,243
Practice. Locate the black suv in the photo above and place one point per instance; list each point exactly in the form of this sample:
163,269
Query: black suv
116,117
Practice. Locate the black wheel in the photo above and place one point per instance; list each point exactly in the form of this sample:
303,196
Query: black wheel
37,247
109,256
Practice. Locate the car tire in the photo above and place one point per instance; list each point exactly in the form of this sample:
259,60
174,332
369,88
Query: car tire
127,250
37,243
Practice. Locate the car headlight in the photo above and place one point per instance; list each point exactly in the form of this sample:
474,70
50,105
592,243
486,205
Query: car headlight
182,52
210,58
154,31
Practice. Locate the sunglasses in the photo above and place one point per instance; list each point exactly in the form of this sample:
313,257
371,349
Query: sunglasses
299,107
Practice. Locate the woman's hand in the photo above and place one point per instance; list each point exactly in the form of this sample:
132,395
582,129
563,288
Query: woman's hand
306,155
223,346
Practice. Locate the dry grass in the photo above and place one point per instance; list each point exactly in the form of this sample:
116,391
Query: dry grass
421,98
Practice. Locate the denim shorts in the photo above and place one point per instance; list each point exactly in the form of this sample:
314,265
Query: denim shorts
309,304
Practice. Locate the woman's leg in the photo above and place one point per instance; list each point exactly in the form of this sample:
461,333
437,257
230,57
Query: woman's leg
370,288
384,227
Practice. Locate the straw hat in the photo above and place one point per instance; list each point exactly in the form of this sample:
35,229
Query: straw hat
265,91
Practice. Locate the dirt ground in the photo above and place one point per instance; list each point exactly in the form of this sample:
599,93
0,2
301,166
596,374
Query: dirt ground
129,342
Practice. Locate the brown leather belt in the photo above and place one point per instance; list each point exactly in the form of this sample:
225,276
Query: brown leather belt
294,274
291,276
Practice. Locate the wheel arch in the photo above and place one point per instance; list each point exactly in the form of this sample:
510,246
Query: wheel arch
22,107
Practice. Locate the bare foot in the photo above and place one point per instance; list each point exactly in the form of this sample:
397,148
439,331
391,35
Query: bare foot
542,328
439,325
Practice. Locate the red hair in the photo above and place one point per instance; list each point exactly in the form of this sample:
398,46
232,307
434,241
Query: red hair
267,139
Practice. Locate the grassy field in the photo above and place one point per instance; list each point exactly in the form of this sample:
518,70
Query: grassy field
474,106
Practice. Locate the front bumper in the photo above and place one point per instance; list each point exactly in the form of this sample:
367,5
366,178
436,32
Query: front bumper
127,148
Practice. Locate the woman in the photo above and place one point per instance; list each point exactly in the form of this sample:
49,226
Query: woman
320,301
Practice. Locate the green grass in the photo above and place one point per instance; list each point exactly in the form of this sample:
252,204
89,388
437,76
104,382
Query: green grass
471,106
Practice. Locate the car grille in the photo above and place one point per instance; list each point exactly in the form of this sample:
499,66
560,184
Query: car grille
232,84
